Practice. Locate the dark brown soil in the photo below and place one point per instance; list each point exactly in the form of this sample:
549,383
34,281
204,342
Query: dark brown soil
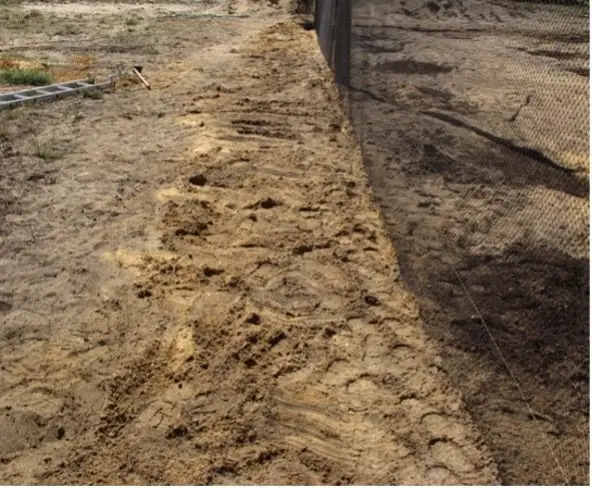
489,222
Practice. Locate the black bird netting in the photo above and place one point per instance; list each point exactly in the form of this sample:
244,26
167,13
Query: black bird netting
473,120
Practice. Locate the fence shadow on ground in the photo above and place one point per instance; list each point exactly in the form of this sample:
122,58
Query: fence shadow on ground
473,123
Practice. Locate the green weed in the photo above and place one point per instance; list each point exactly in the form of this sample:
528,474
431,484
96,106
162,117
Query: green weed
46,152
93,94
30,77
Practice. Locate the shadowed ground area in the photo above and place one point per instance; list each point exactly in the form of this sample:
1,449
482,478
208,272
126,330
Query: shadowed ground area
473,120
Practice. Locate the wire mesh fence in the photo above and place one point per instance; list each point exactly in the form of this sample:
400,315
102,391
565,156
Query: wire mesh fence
473,122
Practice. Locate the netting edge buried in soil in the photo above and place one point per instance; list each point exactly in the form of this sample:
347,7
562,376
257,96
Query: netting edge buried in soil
507,270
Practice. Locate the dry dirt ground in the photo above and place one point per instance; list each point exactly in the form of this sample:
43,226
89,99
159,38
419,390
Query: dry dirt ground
473,117
195,286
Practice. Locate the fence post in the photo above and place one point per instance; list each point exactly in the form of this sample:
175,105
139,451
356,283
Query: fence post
343,42
317,9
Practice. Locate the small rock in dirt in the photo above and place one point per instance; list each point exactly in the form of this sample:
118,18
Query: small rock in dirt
329,332
61,432
268,203
176,432
209,272
433,7
192,229
303,249
553,430
308,25
35,177
198,180
276,338
264,456
254,319
250,362
371,300
232,281
5,307
144,294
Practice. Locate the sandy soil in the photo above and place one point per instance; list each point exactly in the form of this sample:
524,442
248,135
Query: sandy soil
473,118
195,286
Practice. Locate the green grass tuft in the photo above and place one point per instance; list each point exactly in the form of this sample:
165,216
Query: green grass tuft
46,152
93,94
30,77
